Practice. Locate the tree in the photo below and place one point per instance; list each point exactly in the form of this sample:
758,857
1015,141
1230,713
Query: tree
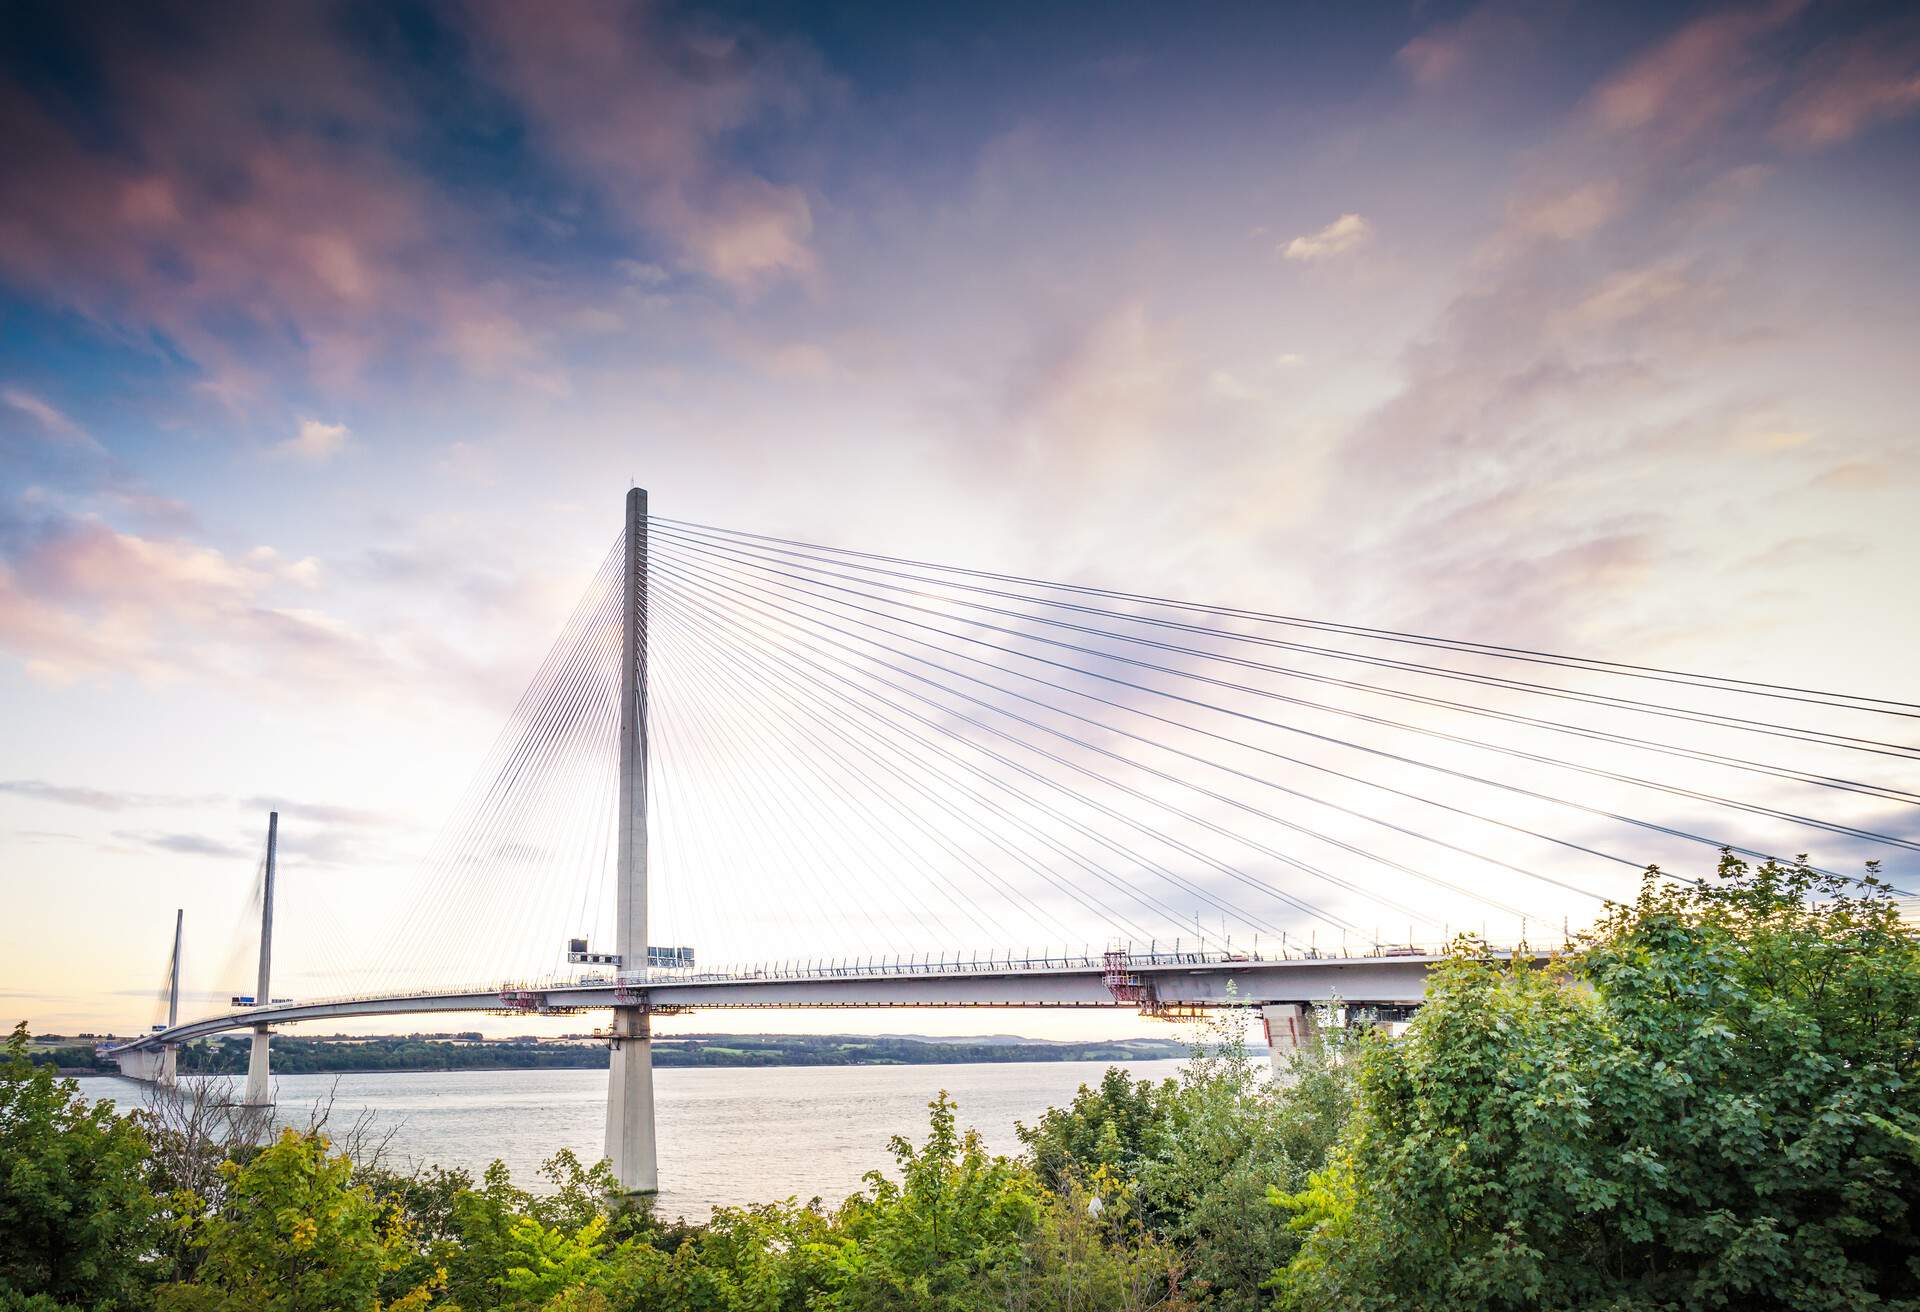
1115,1124
1714,1104
296,1235
542,1261
76,1216
482,1224
944,1235
1079,1260
1194,1159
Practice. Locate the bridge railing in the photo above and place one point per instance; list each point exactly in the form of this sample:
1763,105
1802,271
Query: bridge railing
1154,955
957,963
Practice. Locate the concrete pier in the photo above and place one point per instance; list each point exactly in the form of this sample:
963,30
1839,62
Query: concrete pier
630,1141
630,1131
1292,1027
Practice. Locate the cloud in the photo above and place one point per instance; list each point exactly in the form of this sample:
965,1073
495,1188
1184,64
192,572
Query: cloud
1432,59
315,441
643,273
1810,76
1850,86
1629,295
320,812
640,105
799,361
1567,214
253,188
1097,393
51,421
1697,79
80,600
93,799
320,833
1344,234
1489,35
265,196
185,844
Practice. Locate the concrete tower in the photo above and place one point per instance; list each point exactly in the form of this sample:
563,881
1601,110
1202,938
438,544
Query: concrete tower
169,1053
630,1133
259,1092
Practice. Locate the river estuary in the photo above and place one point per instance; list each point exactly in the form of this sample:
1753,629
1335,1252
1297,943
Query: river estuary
728,1136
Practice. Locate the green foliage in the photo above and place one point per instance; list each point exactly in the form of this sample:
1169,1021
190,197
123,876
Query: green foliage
1713,1105
1234,1138
72,1059
541,1261
1193,1161
1080,1260
1114,1124
76,1215
296,1235
776,1257
946,1233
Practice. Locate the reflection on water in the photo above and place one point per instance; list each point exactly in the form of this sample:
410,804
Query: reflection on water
727,1136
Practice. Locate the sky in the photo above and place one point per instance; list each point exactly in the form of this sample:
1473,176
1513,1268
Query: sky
332,335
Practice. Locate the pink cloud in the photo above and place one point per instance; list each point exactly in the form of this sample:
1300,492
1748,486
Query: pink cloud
214,214
638,106
1488,35
1346,233
1697,79
83,601
314,441
1715,70
267,200
1848,89
51,422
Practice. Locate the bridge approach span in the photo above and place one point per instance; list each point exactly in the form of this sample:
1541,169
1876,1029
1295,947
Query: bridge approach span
1152,986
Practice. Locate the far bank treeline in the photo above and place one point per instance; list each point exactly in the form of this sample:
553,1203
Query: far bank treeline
296,1056
1713,1104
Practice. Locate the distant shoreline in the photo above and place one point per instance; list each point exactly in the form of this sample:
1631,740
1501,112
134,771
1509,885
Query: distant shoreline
441,1053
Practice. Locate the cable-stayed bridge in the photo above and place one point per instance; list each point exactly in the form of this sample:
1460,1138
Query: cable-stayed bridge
754,771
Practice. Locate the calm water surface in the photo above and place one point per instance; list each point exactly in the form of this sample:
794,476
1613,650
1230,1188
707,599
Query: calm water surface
727,1136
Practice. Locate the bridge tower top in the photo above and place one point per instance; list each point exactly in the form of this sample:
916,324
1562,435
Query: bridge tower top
630,913
173,972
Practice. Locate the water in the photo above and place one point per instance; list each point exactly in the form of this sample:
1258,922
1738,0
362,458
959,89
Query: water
727,1136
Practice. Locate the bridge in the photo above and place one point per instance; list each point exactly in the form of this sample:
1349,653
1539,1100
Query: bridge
896,752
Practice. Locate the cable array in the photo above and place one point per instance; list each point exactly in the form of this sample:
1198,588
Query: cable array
1111,764
863,757
523,863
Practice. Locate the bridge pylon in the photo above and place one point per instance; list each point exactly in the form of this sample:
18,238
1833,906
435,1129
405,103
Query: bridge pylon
259,1090
170,1053
630,1141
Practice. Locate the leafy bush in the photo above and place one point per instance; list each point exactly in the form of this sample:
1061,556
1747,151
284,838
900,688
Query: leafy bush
77,1219
1714,1104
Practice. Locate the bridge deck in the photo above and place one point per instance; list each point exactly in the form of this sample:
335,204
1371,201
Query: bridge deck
1374,980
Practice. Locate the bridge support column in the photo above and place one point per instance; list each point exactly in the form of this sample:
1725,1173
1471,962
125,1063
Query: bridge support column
259,1087
1291,1028
143,1065
630,1131
259,1091
169,1054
